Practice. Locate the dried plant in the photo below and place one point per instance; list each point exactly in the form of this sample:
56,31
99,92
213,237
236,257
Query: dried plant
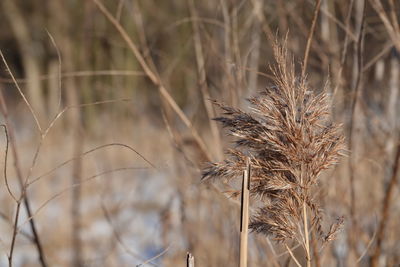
289,139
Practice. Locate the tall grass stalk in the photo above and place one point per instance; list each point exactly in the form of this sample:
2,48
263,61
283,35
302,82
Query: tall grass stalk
244,219
289,139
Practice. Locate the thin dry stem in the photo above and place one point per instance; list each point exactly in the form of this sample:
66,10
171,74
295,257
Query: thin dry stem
60,95
23,198
21,93
119,239
353,112
88,152
83,181
310,36
5,164
292,255
306,234
244,219
205,92
83,73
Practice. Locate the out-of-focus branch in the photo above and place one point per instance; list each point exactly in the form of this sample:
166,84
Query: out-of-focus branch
154,77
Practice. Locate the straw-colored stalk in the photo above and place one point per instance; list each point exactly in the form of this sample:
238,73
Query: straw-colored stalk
244,220
189,260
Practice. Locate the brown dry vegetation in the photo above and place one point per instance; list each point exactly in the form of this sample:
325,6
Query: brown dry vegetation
106,115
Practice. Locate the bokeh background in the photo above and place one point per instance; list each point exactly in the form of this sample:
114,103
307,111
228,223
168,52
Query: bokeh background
109,151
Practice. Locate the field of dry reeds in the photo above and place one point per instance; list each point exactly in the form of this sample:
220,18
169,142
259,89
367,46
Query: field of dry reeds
129,130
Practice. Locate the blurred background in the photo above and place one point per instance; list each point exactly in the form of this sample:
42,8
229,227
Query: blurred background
108,153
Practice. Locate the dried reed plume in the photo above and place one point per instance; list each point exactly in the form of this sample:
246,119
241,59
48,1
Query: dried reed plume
290,140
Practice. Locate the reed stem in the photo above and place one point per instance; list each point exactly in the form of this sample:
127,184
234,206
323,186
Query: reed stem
244,222
306,235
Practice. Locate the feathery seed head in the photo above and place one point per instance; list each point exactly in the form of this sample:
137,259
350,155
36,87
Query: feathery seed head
290,140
